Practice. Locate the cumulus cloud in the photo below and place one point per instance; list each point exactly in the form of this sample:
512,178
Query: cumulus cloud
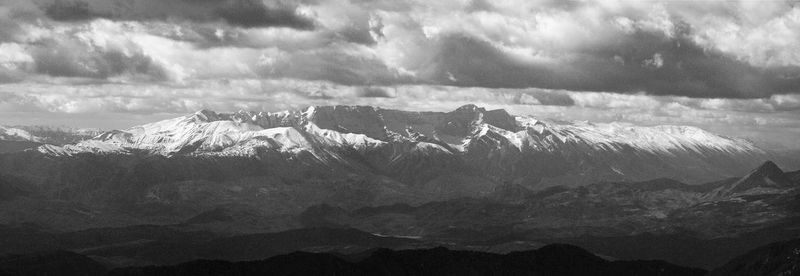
716,63
776,116
244,13
641,61
658,48
763,33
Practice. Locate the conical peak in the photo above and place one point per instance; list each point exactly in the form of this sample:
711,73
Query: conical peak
766,175
769,168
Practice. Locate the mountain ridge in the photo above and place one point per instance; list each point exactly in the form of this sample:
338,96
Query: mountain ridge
497,145
555,259
382,124
175,169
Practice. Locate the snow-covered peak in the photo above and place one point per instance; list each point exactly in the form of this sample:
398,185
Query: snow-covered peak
534,134
365,127
87,146
238,133
16,134
58,135
664,138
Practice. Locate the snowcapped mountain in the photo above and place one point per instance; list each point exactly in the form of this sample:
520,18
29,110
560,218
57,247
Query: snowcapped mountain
469,173
431,147
358,156
18,138
60,135
46,134
16,134
420,147
208,132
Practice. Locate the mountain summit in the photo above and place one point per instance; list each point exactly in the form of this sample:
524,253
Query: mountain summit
767,170
766,176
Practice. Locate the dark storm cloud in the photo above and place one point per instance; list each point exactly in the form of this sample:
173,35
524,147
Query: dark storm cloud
363,30
374,92
254,13
625,47
63,59
243,13
642,62
466,61
653,62
359,33
335,67
70,11
18,12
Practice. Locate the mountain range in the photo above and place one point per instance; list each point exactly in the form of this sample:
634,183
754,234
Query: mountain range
17,138
280,164
556,259
419,147
470,179
352,157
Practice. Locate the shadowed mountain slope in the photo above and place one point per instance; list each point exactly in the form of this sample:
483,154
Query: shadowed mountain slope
557,259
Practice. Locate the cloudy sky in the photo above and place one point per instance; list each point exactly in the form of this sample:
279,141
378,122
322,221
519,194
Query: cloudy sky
728,66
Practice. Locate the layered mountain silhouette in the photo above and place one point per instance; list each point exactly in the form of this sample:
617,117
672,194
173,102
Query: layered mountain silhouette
351,157
690,225
780,258
765,194
18,138
247,186
50,263
556,259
